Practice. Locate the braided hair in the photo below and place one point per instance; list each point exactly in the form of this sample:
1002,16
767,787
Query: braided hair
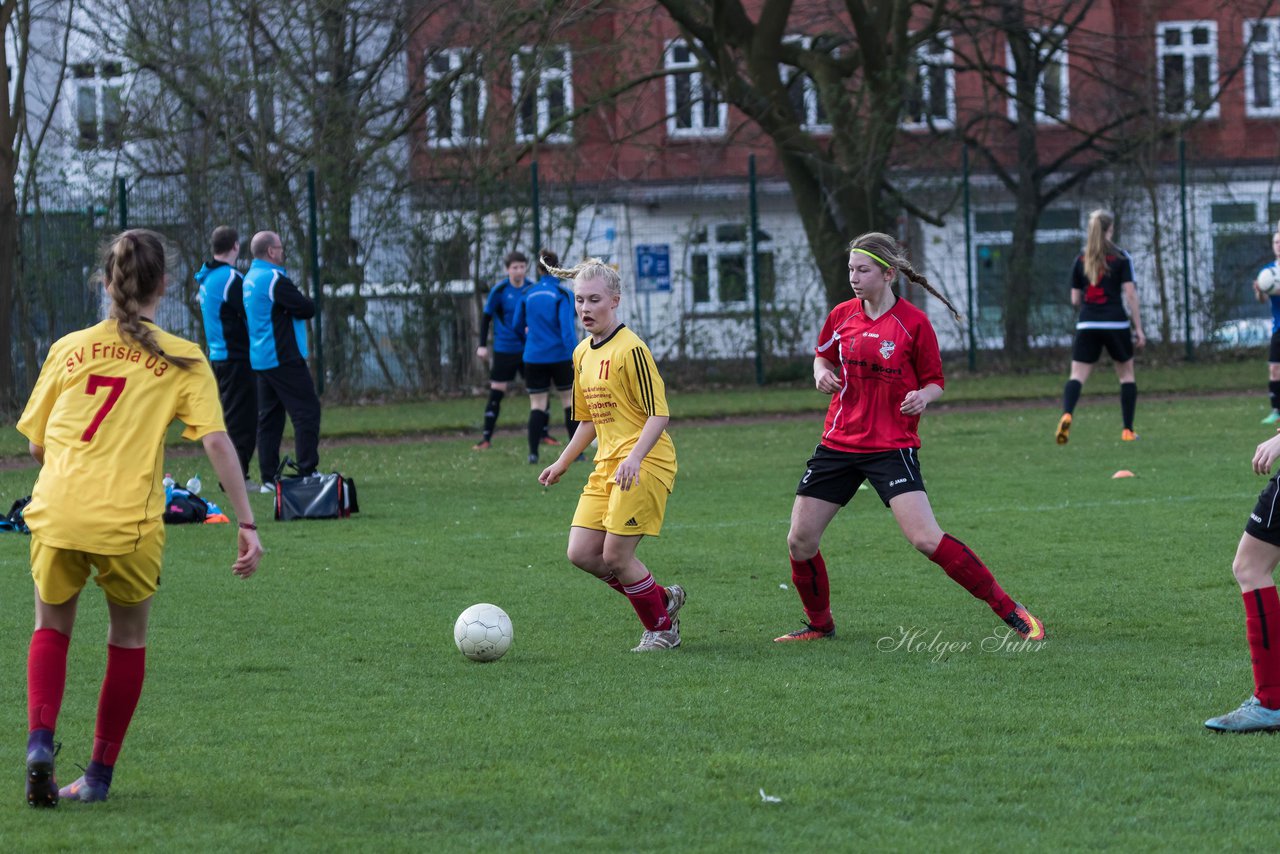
133,267
592,268
893,256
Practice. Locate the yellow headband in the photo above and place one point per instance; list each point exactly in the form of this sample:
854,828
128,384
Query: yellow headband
873,255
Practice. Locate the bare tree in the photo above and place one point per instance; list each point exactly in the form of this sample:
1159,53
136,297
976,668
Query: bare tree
24,126
860,60
1036,144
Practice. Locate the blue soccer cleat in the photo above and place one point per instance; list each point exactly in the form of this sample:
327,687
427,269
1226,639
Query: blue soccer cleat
1252,716
83,791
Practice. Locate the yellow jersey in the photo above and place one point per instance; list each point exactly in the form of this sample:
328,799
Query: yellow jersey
100,410
617,387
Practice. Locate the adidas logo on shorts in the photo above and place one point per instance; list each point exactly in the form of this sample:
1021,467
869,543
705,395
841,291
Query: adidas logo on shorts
632,523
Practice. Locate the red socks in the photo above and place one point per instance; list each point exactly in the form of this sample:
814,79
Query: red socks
810,578
46,677
612,581
121,688
650,603
967,570
1261,624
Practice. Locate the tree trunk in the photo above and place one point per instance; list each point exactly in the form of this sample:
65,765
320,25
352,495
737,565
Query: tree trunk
8,277
1019,275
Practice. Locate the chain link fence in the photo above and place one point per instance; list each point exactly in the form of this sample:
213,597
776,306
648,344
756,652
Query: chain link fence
715,300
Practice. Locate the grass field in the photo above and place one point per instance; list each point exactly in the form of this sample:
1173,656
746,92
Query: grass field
321,705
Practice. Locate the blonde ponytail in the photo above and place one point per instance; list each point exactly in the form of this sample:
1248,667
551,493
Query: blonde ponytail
1097,245
592,268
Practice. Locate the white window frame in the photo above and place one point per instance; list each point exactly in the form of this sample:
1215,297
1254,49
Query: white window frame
698,129
1062,56
542,106
922,60
1188,52
713,249
809,120
99,84
1270,49
460,60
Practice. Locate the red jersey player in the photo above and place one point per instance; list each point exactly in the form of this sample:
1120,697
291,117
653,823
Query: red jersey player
878,358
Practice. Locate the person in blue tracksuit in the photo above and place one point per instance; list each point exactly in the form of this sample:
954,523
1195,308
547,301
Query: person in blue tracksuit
547,318
1273,354
222,308
275,311
508,340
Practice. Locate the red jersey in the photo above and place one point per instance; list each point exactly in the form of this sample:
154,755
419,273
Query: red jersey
879,362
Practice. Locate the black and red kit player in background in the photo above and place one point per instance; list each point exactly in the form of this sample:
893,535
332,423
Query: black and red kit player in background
1101,285
878,358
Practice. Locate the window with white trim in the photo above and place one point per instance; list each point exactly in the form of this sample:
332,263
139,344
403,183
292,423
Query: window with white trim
542,84
1187,67
803,92
694,107
930,98
99,103
1262,68
1052,86
720,267
457,99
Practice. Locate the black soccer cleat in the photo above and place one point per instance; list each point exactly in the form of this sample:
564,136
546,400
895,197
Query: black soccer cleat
42,791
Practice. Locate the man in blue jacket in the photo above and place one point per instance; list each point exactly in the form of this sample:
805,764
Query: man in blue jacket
546,315
508,341
275,311
222,308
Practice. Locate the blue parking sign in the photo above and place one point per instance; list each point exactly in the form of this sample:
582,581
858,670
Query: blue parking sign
653,267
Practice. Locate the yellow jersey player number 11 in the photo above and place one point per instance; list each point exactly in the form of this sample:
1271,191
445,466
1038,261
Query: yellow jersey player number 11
620,401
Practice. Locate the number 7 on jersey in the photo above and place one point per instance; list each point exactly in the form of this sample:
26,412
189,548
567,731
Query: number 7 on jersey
97,381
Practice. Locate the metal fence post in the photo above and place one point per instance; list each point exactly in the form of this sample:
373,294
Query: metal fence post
537,214
755,263
122,202
1186,251
968,261
315,279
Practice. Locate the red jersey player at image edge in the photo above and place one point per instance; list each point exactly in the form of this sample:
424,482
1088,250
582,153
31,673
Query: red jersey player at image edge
1254,568
100,410
619,400
877,356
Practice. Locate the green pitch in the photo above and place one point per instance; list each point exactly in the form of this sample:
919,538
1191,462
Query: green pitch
322,706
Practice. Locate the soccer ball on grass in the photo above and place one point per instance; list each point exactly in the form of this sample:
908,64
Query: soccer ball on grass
483,632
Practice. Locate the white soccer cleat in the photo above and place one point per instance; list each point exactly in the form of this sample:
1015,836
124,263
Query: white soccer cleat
658,641
1252,716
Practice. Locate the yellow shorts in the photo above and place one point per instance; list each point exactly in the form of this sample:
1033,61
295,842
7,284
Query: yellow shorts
604,506
125,579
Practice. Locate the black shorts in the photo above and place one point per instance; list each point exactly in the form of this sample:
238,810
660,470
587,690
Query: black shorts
836,475
1264,521
1089,343
538,376
506,366
1273,355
